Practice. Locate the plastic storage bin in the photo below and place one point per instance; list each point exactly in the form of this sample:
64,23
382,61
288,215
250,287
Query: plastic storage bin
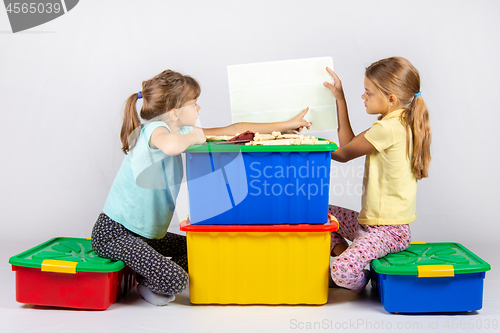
268,264
239,184
430,277
65,272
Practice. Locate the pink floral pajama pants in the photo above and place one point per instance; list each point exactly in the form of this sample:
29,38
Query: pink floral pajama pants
368,242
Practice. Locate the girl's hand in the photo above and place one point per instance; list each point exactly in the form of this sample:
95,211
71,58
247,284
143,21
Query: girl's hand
298,122
336,88
198,136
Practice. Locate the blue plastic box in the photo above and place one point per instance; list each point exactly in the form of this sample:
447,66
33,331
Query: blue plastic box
430,277
238,184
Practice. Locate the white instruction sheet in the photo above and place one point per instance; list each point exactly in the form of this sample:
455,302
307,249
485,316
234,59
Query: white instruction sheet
279,90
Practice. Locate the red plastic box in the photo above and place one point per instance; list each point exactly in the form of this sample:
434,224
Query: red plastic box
65,272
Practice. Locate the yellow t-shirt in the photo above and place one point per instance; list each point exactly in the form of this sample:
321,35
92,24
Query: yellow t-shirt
390,187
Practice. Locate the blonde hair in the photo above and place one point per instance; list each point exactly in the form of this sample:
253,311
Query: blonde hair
166,91
398,76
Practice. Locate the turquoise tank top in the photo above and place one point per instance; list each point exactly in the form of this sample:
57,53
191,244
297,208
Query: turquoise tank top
142,197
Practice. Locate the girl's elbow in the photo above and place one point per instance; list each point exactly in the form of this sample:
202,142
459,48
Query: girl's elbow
172,153
339,157
172,150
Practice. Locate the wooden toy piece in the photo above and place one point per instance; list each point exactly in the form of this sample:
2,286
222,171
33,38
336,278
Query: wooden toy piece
240,138
291,136
218,137
315,142
276,142
299,141
263,137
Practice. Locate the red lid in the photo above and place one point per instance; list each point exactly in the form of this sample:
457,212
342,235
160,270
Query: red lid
185,225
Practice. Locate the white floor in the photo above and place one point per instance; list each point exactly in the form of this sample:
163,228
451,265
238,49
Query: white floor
345,311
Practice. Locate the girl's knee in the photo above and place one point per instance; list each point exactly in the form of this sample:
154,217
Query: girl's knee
98,245
347,275
181,261
400,239
340,268
337,276
178,282
174,279
405,244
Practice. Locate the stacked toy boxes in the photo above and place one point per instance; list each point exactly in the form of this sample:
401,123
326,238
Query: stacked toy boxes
258,231
430,277
65,272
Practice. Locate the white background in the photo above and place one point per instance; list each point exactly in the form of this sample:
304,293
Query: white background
63,85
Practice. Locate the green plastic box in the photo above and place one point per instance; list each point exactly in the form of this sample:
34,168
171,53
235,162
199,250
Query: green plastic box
65,272
430,277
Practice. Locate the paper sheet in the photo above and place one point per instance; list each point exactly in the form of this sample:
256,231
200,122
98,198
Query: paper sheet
280,90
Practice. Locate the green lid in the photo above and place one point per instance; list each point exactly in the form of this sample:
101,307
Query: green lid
421,254
66,249
213,147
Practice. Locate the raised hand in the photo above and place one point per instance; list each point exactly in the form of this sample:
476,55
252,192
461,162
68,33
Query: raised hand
336,87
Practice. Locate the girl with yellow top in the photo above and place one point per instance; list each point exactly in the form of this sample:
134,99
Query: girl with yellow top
397,149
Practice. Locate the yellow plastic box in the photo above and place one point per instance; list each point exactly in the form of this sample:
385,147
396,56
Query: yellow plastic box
258,264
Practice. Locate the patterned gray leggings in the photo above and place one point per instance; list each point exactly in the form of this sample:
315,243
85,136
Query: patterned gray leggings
147,257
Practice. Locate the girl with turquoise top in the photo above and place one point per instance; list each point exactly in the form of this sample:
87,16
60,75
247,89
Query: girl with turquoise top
134,221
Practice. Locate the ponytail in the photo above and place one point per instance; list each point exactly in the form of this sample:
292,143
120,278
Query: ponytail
416,117
130,122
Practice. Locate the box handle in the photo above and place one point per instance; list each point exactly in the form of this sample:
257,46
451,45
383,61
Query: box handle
59,266
435,271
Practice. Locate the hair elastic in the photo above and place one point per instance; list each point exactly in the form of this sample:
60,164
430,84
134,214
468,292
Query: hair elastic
139,95
418,94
